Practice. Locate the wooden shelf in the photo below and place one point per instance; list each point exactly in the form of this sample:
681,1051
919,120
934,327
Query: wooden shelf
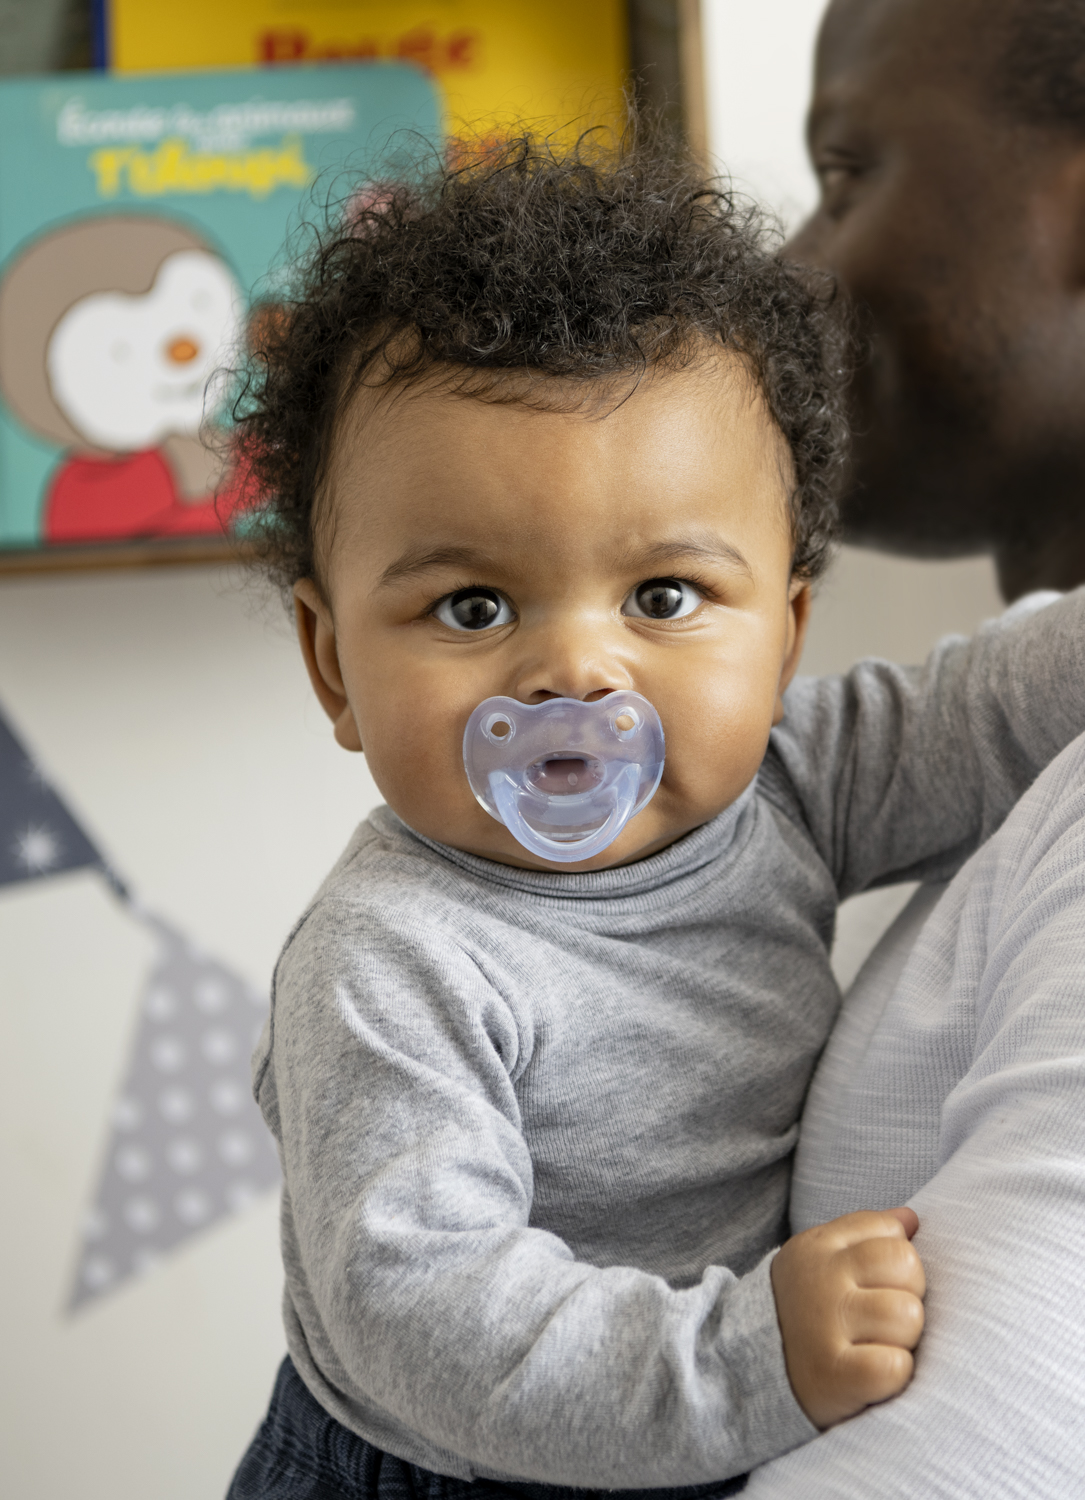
167,553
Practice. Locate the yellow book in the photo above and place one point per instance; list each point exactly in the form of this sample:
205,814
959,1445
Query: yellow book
559,64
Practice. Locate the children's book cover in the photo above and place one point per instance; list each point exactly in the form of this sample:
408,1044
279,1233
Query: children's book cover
137,218
558,64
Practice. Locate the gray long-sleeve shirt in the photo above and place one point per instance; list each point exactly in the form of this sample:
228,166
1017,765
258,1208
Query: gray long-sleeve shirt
536,1128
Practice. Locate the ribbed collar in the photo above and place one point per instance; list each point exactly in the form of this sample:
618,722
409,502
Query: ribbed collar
705,846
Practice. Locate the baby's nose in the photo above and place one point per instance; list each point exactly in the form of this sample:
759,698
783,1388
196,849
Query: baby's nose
182,350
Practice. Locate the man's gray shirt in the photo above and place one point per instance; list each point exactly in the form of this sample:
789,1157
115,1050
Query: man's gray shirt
536,1128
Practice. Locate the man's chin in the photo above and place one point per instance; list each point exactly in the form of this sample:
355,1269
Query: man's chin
914,524
919,496
910,537
923,477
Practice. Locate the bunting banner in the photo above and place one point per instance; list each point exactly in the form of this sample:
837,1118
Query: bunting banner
38,835
186,1146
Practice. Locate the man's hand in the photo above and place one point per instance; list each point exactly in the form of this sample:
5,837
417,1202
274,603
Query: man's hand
849,1302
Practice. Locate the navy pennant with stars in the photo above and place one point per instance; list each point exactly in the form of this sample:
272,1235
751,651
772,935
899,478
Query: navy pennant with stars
186,1147
38,835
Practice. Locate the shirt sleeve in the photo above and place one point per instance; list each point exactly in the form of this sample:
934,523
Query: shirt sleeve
428,1301
997,1405
900,773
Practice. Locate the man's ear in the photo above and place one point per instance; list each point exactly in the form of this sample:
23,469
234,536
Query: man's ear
316,633
798,618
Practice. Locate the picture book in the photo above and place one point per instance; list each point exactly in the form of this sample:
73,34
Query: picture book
139,218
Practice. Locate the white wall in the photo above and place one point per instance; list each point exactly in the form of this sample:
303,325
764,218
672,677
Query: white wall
758,61
176,717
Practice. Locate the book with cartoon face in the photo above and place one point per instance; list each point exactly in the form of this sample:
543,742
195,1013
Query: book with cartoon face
140,218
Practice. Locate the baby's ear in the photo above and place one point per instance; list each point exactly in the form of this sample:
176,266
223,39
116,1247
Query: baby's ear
798,618
316,634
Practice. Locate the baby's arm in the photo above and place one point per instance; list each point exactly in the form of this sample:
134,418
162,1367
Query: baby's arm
849,1298
899,773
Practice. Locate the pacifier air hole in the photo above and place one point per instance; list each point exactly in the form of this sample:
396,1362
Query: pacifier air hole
498,728
564,776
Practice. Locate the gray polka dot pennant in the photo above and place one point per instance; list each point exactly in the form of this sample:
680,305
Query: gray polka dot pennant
187,1146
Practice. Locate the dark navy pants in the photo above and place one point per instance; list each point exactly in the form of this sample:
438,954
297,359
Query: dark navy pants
303,1453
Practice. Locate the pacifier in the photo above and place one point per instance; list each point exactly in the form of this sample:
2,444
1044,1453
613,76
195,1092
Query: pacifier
564,777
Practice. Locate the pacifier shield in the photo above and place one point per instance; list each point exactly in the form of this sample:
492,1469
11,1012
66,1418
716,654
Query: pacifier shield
564,776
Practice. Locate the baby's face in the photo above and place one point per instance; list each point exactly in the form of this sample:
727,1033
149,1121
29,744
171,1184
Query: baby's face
475,548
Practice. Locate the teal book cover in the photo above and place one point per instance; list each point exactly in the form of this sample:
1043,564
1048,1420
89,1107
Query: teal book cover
139,217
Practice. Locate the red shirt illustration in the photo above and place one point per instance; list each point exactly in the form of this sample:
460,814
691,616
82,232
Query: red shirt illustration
131,495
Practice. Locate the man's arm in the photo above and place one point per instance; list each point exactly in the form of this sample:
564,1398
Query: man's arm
997,1406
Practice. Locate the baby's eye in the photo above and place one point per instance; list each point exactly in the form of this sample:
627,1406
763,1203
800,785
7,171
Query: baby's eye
473,609
662,599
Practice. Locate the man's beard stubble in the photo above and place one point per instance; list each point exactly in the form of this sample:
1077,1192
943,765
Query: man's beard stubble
935,469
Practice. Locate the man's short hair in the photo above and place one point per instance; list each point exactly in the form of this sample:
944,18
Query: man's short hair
1041,75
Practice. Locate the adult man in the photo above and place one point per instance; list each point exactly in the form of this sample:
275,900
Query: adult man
949,137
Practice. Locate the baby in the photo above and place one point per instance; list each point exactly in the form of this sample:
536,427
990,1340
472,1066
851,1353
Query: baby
551,428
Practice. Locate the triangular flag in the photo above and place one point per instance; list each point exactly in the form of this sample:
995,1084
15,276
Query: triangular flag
187,1145
38,835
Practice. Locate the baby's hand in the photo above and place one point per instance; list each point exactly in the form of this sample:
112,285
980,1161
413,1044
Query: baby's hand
849,1302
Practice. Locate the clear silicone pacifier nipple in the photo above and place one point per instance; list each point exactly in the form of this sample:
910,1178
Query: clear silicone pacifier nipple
563,776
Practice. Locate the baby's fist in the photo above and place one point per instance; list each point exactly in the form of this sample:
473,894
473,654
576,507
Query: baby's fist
849,1303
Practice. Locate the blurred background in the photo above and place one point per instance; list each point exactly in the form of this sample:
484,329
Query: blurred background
162,696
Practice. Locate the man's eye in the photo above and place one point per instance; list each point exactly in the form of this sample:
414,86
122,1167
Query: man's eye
662,599
473,609
834,174
837,181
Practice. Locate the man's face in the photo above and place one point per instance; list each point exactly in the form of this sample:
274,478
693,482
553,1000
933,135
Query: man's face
476,548
946,222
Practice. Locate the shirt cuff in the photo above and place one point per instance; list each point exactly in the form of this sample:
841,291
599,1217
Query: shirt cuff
753,1350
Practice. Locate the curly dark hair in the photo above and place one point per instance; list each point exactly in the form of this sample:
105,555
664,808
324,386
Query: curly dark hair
588,264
